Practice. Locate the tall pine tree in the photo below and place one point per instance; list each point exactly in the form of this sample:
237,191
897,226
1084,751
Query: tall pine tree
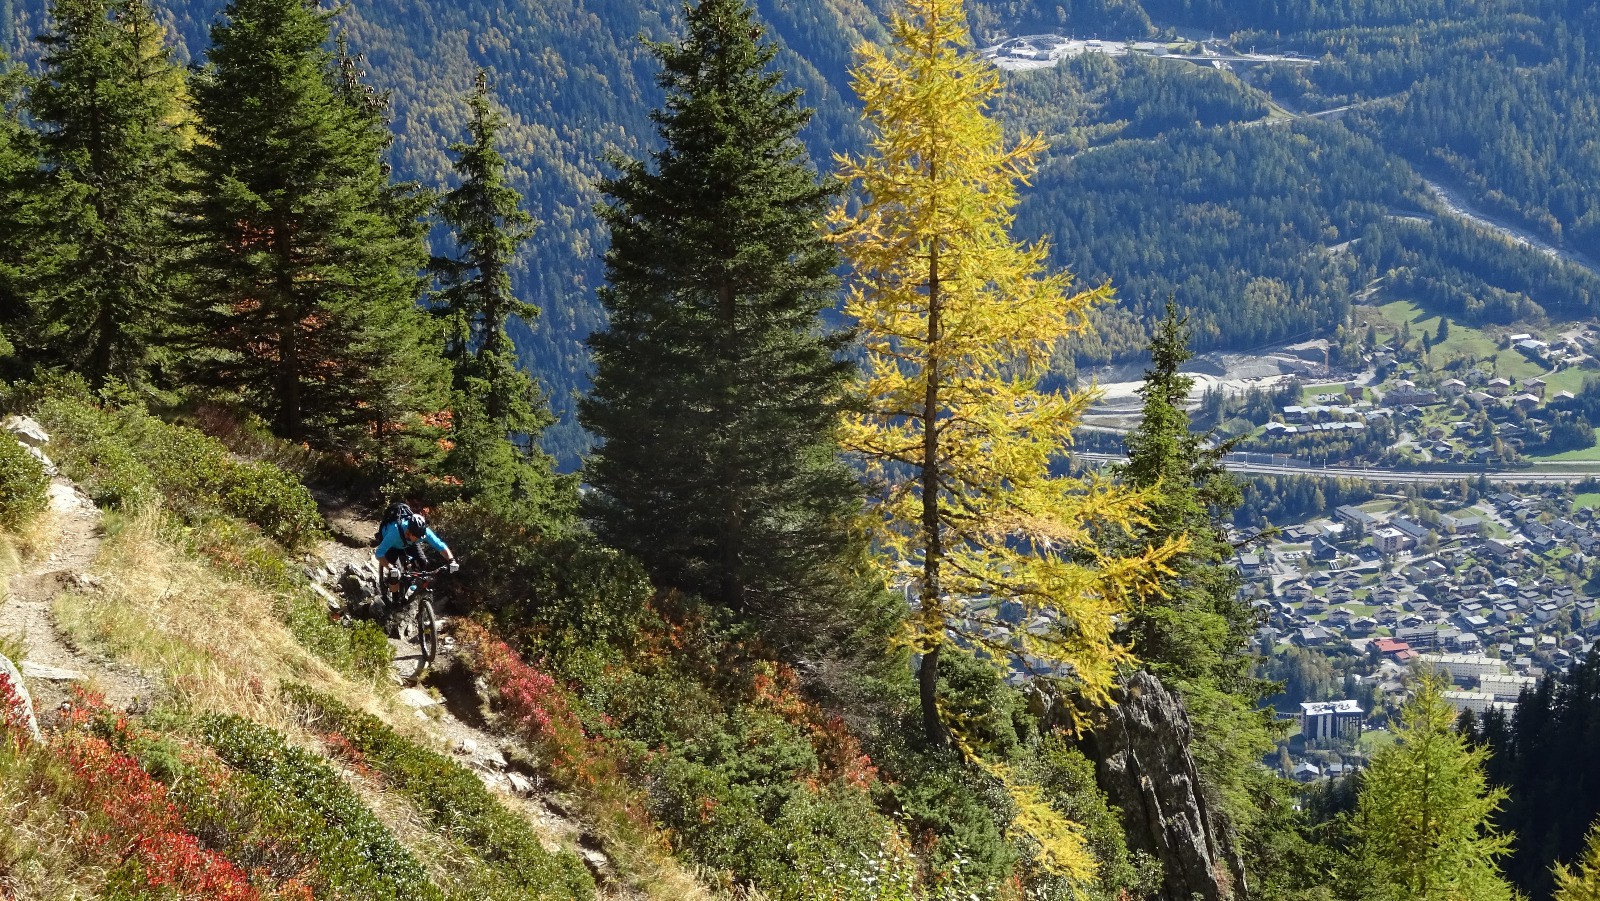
307,264
492,400
1191,628
22,212
109,108
959,321
1422,829
715,390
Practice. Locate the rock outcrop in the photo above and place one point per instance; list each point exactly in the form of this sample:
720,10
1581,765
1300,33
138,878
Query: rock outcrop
1140,749
24,702
27,431
32,437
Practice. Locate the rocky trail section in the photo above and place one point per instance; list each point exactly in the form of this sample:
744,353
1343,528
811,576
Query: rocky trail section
450,704
50,663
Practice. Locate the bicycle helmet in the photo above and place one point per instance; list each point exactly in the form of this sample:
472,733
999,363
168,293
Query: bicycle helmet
416,524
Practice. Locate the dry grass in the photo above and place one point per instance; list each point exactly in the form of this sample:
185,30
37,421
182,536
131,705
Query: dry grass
653,873
215,644
21,548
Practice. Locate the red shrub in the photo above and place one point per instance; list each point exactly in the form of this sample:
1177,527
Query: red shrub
777,688
339,746
530,699
13,714
537,709
129,820
132,821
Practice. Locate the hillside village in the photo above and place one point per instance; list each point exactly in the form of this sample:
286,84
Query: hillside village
1491,584
1470,400
1492,593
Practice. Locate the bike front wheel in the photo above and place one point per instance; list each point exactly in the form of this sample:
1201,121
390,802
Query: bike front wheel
427,630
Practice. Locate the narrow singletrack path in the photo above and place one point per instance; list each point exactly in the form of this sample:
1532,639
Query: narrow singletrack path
50,662
452,712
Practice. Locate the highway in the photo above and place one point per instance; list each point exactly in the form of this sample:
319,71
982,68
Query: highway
1511,476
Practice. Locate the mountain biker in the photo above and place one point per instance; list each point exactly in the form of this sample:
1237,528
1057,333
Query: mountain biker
402,536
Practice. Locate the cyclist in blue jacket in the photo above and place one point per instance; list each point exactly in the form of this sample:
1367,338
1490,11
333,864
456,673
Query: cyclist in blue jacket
402,535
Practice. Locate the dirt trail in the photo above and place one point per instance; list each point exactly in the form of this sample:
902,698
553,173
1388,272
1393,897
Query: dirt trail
50,662
450,709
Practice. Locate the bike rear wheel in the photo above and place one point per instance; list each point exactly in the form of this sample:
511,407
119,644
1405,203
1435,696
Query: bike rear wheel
427,629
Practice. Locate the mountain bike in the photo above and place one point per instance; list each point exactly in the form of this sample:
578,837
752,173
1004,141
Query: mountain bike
416,598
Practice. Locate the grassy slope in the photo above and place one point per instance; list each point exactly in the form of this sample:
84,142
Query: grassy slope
1465,341
214,643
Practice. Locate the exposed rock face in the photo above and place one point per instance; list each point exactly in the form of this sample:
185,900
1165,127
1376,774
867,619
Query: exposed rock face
26,430
1141,752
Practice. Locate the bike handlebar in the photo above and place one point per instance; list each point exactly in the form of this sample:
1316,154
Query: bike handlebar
426,572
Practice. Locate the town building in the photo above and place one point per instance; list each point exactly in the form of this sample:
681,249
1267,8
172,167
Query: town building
1463,668
1475,701
1505,688
1324,720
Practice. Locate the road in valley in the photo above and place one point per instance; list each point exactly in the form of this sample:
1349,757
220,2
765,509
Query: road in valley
1456,203
1372,474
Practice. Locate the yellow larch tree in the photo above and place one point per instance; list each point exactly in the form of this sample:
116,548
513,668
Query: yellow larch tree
959,321
1582,881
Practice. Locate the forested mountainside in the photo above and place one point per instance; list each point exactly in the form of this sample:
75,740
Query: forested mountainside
1164,177
823,624
575,83
1232,190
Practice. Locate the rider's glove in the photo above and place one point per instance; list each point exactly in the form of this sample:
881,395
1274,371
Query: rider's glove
455,567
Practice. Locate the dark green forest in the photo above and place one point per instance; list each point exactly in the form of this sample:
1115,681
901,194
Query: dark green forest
257,258
1164,177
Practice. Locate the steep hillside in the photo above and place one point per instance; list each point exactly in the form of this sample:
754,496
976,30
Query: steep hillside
208,733
219,718
1156,183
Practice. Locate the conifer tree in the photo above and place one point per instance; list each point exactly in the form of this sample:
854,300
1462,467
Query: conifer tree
1192,629
109,107
1582,882
959,322
715,389
308,261
1422,829
492,399
22,210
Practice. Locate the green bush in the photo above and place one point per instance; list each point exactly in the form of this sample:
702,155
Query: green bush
566,593
248,435
514,865
294,806
24,488
90,450
124,457
743,804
